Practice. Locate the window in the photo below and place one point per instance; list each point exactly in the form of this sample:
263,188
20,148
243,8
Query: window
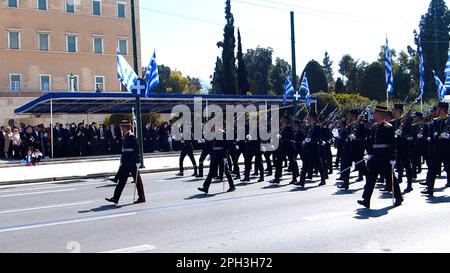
121,10
12,3
97,7
71,43
43,42
14,39
42,4
98,45
45,82
70,7
15,82
123,46
73,82
99,83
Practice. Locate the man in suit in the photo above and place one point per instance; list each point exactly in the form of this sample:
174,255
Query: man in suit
57,140
102,143
2,142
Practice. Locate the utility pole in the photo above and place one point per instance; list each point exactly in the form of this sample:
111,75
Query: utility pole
294,65
138,95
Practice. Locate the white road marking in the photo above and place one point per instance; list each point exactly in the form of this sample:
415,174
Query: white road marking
49,188
327,216
34,193
46,207
65,222
133,249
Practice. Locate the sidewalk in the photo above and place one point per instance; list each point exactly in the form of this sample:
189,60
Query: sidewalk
86,169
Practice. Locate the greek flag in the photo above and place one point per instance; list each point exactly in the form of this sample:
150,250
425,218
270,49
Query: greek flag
288,89
125,73
152,75
389,75
447,73
305,88
421,72
440,87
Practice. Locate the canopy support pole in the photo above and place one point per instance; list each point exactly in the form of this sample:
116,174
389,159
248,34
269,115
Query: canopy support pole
51,128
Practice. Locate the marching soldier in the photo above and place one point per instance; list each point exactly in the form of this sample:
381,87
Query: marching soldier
129,163
187,149
352,137
381,157
419,147
440,148
206,150
311,151
402,127
325,146
253,150
219,150
285,149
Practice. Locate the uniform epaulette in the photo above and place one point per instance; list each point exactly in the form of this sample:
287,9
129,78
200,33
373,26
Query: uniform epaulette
388,124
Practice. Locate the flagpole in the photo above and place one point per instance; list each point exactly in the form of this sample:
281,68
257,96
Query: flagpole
294,65
138,95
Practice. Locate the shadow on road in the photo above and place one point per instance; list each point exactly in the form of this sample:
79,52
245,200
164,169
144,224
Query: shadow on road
203,196
174,178
106,186
348,192
104,208
366,214
438,200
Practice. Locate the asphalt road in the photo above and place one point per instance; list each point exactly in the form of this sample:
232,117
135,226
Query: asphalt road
73,217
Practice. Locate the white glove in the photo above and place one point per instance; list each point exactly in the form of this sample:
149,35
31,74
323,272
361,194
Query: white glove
249,137
199,141
279,136
352,137
237,148
138,165
398,132
428,139
203,140
420,136
393,162
208,158
368,157
308,140
445,135
263,149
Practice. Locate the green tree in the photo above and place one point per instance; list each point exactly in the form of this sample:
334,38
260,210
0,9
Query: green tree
178,83
280,71
259,65
194,85
339,86
372,83
317,80
328,69
434,37
242,73
217,78
229,70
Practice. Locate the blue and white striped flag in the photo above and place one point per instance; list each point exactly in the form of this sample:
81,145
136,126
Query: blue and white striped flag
389,74
152,75
440,87
447,73
421,72
305,88
288,89
125,73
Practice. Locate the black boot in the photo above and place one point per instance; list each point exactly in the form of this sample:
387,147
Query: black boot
364,203
195,172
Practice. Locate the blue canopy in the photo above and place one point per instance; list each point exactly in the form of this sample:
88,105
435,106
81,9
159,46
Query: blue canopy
117,102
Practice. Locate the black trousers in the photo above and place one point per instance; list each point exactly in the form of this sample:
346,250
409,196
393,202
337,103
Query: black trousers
311,159
404,163
438,157
380,166
190,154
258,163
123,174
202,158
285,151
216,158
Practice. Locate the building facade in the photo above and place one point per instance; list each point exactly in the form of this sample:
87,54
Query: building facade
61,45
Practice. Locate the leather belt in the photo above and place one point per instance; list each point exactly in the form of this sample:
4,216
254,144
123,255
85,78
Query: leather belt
381,146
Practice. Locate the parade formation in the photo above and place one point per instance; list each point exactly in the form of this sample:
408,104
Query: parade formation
380,145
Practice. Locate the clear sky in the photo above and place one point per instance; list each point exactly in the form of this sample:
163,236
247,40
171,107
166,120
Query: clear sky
185,33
